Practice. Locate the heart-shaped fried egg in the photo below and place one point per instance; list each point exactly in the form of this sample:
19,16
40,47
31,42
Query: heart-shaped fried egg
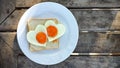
54,30
38,37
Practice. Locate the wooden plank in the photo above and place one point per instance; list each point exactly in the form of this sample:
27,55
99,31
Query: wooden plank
71,3
88,42
27,63
98,42
98,20
116,22
6,8
7,57
10,39
75,62
12,21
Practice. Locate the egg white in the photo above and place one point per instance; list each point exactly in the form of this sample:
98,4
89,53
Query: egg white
60,29
31,35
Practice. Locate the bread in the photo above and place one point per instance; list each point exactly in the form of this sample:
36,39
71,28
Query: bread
32,23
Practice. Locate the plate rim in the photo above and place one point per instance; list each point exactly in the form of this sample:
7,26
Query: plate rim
44,3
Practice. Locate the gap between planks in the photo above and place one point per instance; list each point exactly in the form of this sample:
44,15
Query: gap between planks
95,8
89,54
5,30
95,54
6,17
81,8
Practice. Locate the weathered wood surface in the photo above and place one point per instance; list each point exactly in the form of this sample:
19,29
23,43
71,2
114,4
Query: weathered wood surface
88,42
6,8
99,21
8,58
76,62
116,22
95,35
11,23
72,3
92,20
10,38
98,42
9,41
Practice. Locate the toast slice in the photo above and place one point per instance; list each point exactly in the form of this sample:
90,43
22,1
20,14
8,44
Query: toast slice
32,23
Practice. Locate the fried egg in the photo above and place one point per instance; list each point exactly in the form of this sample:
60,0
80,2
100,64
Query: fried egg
54,31
38,37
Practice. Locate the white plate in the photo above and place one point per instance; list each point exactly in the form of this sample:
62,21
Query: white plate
67,42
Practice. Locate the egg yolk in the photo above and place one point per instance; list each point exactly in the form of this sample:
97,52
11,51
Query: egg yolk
41,37
52,31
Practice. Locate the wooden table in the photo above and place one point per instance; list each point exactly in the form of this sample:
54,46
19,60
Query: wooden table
99,38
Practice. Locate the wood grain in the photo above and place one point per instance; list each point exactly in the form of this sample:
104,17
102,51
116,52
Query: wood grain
88,42
116,22
7,57
10,39
6,8
11,22
75,62
93,20
71,3
99,32
98,42
10,49
24,62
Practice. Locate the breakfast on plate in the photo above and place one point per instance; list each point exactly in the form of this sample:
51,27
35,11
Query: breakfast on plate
44,34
